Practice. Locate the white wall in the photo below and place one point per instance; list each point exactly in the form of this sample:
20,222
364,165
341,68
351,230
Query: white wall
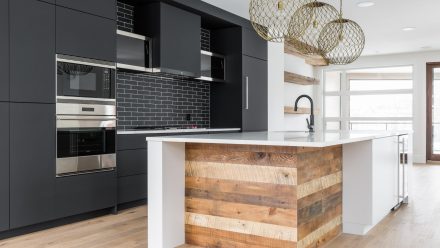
418,61
284,94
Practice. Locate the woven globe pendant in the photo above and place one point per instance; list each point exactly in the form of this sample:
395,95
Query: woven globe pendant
271,18
307,23
341,42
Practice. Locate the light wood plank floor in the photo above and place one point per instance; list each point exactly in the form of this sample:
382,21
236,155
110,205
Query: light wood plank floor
414,226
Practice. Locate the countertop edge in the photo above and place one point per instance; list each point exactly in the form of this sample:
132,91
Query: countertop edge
170,131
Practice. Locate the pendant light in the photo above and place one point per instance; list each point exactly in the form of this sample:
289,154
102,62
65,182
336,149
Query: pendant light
271,18
341,41
307,23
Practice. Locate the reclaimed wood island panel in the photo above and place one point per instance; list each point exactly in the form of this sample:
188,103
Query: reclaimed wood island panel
262,196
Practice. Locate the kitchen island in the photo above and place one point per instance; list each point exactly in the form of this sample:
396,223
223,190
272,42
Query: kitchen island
269,189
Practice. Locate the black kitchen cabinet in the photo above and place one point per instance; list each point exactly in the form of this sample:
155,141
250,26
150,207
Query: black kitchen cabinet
4,50
132,162
4,166
255,99
84,35
32,51
103,8
32,163
176,37
85,193
48,1
253,45
132,188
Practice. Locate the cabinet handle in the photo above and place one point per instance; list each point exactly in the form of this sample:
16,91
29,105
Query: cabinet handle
247,92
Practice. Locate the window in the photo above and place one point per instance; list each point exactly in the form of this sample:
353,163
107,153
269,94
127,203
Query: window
369,99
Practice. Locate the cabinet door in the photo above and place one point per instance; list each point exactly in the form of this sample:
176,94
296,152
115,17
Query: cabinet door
254,94
104,8
84,35
85,193
4,50
32,51
253,45
180,40
132,188
132,162
32,163
4,166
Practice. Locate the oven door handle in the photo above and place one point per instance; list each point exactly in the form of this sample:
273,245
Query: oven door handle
85,119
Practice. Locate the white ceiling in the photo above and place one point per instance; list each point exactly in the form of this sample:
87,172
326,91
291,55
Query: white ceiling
382,23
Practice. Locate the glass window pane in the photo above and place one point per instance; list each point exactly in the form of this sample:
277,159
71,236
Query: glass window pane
379,125
333,81
332,106
393,105
362,85
333,125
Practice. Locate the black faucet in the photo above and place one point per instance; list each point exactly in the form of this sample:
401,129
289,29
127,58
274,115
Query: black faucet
311,124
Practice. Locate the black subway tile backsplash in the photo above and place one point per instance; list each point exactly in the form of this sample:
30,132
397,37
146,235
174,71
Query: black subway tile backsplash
159,100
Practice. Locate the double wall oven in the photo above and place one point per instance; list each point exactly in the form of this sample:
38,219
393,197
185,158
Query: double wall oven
86,116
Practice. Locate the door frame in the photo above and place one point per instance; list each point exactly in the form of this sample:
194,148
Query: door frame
430,156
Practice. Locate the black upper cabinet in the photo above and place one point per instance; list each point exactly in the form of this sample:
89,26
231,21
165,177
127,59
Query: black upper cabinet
103,8
176,37
4,166
4,50
255,99
253,45
84,35
32,51
32,163
48,1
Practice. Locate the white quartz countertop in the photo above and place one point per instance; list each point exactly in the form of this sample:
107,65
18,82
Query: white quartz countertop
189,130
286,138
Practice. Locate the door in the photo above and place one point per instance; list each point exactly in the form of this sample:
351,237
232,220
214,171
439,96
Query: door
4,50
433,112
32,163
254,94
32,51
4,166
103,8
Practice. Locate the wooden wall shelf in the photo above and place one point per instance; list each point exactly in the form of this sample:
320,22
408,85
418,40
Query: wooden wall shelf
301,111
315,60
294,78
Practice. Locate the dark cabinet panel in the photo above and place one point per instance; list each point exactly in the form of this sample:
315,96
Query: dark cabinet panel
4,50
104,8
132,188
4,166
255,110
32,51
131,141
132,162
176,37
85,193
32,163
84,35
48,1
253,45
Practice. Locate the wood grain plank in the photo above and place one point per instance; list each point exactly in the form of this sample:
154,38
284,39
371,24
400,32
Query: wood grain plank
318,184
241,172
262,214
315,236
242,148
208,237
244,227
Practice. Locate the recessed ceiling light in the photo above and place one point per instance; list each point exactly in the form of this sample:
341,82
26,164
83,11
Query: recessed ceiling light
408,28
365,4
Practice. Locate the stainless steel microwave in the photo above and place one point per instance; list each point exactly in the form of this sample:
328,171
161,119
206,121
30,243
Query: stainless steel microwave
85,78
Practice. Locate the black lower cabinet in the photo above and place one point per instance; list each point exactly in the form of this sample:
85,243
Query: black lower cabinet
32,163
4,166
132,188
85,193
132,162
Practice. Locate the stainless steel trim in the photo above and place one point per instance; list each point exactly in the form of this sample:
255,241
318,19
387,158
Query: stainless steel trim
174,72
85,61
84,173
80,122
85,163
247,92
86,100
131,35
210,79
133,67
85,109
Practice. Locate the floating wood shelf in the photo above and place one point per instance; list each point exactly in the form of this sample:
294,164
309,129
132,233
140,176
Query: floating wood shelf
315,60
301,111
294,78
